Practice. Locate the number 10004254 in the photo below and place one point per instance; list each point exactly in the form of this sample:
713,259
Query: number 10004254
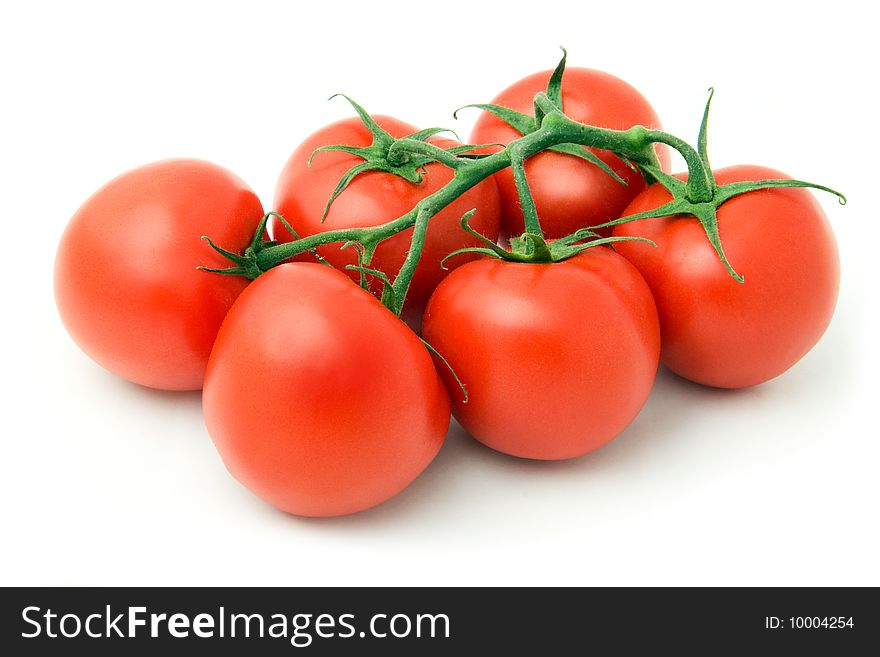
820,622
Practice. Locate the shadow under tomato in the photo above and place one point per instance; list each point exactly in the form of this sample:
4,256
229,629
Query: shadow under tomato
676,424
172,398
664,416
125,391
462,456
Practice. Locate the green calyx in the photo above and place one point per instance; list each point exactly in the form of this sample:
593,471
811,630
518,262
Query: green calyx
406,157
700,196
245,264
532,248
248,263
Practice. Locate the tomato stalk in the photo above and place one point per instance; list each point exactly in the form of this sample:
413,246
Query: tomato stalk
549,129
556,129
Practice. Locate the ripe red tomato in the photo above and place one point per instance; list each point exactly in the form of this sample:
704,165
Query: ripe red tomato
318,398
557,359
570,193
375,198
126,282
715,330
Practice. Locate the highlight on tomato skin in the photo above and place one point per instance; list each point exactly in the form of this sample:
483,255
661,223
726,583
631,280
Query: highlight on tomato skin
374,198
126,283
571,193
319,399
557,359
716,331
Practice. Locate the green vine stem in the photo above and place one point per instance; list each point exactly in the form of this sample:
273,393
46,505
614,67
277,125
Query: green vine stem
633,144
549,129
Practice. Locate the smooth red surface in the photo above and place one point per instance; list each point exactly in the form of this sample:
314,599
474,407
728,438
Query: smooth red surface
727,334
126,282
557,359
375,198
318,398
570,193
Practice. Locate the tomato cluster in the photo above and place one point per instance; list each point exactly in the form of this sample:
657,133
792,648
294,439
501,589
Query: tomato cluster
322,401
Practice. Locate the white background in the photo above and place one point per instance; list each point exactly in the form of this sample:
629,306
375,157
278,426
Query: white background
104,482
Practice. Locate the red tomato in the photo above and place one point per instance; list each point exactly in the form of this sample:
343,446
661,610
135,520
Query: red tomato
557,359
318,398
570,193
375,198
715,330
126,282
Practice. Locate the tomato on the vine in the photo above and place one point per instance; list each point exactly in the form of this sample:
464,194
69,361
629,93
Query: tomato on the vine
376,197
715,330
318,398
557,359
126,282
571,193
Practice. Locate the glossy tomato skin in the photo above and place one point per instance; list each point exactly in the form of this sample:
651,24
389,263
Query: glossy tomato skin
319,399
570,193
557,359
732,335
126,282
375,198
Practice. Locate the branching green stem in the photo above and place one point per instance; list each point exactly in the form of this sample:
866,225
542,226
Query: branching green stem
550,129
634,144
